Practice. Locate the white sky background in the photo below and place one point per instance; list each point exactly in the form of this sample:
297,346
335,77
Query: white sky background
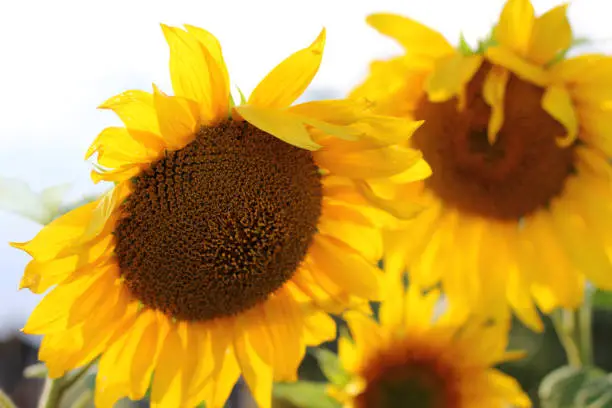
59,59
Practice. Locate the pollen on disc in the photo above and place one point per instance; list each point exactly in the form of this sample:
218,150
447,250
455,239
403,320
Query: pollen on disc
214,228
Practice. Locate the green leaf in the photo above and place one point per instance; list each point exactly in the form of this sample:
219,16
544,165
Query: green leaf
331,367
602,300
562,387
596,393
305,394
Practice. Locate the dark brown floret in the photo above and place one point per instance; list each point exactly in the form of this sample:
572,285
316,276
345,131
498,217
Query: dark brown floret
408,375
214,228
517,175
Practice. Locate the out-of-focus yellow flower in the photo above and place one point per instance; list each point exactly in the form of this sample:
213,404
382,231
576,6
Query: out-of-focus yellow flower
518,138
230,231
411,360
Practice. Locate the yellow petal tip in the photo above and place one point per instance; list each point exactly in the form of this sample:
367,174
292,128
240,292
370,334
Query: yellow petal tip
567,140
18,245
318,44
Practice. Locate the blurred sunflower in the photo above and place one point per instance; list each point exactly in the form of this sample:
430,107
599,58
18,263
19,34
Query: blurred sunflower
518,138
410,359
229,231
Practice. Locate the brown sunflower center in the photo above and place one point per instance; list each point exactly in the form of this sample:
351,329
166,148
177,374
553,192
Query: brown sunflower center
513,177
408,377
212,229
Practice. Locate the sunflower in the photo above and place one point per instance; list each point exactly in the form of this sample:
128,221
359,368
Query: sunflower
518,138
413,358
230,231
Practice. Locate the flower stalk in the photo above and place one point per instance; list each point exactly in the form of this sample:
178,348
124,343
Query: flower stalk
55,388
574,329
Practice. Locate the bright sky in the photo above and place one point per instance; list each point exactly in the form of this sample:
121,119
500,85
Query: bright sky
62,58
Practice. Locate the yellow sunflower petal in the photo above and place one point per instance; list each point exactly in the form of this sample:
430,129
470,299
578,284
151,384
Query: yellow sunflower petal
40,276
217,371
392,310
404,244
515,26
167,389
176,120
597,128
450,76
136,109
338,111
212,45
556,281
111,380
419,309
60,233
366,334
507,388
586,253
286,126
255,356
117,147
217,390
52,313
91,297
284,320
319,327
463,242
494,90
191,71
141,349
552,34
580,69
557,101
120,370
347,354
285,83
370,163
518,282
418,39
325,254
365,240
104,214
518,65
118,175
394,86
321,289
96,334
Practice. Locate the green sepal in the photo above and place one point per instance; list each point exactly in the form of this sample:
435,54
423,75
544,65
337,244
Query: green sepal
562,55
463,47
488,41
243,99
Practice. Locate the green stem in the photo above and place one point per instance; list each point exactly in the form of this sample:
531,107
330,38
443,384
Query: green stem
575,333
564,326
55,388
585,331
